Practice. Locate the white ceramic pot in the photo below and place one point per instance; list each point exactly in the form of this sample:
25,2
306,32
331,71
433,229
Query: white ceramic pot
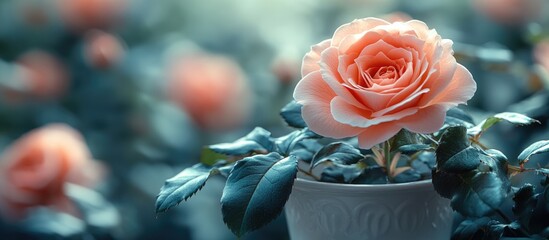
318,210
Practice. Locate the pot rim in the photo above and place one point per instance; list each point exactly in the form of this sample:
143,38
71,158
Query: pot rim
310,185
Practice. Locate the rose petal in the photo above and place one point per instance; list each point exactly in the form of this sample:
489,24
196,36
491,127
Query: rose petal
460,90
346,113
328,69
401,104
372,100
311,59
315,96
377,134
426,120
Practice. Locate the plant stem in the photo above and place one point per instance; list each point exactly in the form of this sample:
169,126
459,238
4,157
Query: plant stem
387,156
478,143
428,137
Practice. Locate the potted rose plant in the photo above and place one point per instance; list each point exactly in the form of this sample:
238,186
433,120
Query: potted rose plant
388,92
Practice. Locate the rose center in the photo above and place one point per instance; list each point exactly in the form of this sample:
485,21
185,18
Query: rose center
381,75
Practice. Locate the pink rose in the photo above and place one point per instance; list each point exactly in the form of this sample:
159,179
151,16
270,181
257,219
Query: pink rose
212,89
374,78
85,14
34,169
102,50
43,76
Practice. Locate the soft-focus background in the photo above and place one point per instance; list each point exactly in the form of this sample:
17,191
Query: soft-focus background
148,83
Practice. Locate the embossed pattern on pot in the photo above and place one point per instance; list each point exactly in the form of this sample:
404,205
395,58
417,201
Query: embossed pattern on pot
398,211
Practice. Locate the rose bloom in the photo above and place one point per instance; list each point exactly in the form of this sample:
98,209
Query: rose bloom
43,76
35,168
510,12
102,50
85,14
212,89
374,78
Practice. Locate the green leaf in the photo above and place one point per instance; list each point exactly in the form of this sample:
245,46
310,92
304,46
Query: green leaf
372,175
543,171
412,148
182,186
291,113
403,137
473,229
256,191
446,184
525,202
305,150
257,141
286,144
340,173
46,223
409,175
533,149
338,152
479,197
209,157
483,190
422,168
454,154
98,213
486,229
511,117
539,221
457,117
428,158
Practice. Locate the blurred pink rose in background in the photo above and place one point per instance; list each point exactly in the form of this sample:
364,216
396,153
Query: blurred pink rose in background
102,50
85,14
286,70
510,12
43,76
374,78
212,89
34,169
541,54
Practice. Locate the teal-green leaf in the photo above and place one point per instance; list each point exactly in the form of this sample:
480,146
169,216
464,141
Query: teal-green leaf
305,150
340,173
257,141
182,186
410,175
511,117
534,148
403,137
372,175
285,144
412,148
482,190
446,184
256,191
525,202
291,113
454,154
338,152
480,196
210,157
